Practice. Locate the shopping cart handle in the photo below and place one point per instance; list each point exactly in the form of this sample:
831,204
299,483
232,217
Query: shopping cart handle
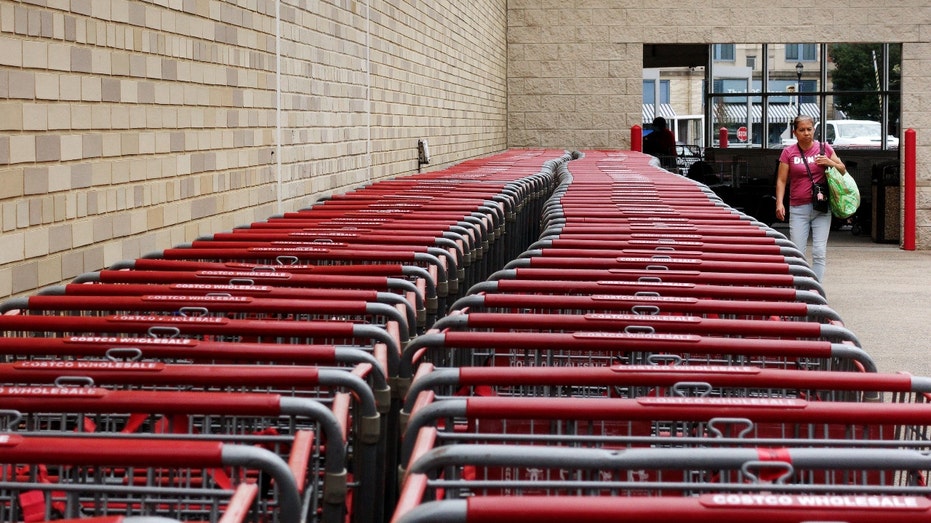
14,304
406,366
857,354
290,506
810,297
447,511
802,270
839,332
424,417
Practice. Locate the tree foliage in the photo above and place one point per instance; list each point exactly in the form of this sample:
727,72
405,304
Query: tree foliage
858,70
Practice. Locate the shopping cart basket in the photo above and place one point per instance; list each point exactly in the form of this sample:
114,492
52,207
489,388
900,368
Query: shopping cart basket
194,322
634,381
642,304
660,273
307,434
600,349
293,258
222,305
658,288
384,288
377,305
668,421
645,324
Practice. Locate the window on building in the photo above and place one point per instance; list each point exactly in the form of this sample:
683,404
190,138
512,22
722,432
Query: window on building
723,52
801,52
758,101
649,91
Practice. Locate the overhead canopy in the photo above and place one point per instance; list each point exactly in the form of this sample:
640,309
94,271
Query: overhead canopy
665,110
778,113
675,55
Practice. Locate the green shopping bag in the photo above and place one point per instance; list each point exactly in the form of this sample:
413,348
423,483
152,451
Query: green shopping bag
845,195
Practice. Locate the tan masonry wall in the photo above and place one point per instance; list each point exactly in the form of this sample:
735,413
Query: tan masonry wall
128,126
575,76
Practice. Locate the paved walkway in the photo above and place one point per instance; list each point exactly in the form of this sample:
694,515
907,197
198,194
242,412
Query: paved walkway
883,294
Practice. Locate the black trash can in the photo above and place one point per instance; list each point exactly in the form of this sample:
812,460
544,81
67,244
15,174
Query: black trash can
886,204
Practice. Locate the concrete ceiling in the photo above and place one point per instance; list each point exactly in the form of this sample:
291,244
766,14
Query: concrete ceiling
675,55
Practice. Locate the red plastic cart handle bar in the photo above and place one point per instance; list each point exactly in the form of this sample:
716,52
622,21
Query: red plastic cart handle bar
172,303
164,336
657,244
152,373
620,303
662,275
402,271
661,263
288,258
644,324
585,342
46,399
729,292
369,297
708,508
658,254
127,349
665,376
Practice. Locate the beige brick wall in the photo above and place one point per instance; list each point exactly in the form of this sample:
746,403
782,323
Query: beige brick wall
916,114
583,64
130,126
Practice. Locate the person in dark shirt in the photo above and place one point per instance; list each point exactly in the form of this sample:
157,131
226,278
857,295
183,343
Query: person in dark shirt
661,143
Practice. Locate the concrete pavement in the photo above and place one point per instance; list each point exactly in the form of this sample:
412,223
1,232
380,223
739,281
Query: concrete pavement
883,295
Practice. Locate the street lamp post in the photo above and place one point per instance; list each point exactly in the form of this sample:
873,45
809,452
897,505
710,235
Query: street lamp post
798,89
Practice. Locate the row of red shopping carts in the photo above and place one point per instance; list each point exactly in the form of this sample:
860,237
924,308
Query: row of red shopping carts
532,336
251,375
655,355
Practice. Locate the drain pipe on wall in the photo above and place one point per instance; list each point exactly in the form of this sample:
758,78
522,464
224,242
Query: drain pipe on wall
277,150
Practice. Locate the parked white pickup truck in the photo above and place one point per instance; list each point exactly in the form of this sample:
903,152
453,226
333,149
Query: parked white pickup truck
850,134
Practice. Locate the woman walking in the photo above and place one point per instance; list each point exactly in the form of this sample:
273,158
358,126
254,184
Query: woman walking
802,165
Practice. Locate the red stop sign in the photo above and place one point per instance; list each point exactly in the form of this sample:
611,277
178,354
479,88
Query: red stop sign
742,134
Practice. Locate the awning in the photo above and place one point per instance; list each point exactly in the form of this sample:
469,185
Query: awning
778,113
665,110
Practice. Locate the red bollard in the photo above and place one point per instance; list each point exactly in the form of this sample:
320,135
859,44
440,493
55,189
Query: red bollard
636,138
908,183
722,137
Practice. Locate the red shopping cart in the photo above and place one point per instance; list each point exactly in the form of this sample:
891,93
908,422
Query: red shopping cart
308,435
634,381
394,275
555,484
645,324
600,349
80,475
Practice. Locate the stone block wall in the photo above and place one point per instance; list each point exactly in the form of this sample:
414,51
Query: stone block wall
584,62
130,126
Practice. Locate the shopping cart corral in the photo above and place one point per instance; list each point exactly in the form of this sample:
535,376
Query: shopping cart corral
536,335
